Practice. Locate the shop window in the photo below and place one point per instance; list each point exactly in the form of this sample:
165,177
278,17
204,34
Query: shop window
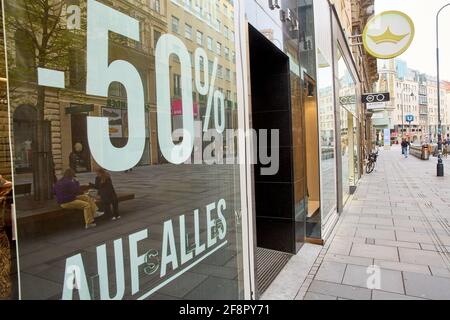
120,128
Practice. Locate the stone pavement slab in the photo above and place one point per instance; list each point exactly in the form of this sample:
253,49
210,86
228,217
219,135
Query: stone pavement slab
359,276
374,251
427,287
340,290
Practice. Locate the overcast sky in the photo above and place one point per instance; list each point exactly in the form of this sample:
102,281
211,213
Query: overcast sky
422,53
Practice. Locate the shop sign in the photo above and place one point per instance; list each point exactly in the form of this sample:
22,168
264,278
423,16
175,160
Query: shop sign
388,34
79,108
376,106
409,118
376,97
121,104
177,108
346,100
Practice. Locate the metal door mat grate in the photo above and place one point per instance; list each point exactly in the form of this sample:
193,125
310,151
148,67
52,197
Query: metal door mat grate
269,264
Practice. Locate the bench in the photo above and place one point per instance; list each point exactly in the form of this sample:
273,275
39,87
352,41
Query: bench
420,151
22,189
31,211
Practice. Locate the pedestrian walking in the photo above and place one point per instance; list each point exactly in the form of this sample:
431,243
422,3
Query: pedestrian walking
405,146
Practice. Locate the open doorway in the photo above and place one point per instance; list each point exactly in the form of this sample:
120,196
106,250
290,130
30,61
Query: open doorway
276,226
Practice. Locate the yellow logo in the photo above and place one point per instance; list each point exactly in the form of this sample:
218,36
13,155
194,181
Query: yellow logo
388,34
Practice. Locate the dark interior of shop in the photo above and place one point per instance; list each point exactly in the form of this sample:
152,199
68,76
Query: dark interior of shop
274,194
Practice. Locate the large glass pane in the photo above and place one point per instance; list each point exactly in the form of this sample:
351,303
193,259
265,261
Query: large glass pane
349,124
327,136
98,89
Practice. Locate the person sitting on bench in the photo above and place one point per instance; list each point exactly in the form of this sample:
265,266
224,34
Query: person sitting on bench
107,193
67,191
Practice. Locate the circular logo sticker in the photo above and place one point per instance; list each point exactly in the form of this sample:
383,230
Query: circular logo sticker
388,34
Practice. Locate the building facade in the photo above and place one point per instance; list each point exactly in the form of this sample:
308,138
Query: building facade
413,96
229,129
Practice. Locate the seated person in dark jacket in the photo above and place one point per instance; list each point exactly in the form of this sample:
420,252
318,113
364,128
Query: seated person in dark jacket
68,196
108,196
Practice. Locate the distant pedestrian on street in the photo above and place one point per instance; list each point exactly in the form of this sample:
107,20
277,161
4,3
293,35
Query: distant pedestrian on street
405,146
108,195
446,145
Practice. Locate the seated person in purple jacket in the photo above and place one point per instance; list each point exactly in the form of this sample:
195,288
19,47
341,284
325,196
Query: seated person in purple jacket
67,191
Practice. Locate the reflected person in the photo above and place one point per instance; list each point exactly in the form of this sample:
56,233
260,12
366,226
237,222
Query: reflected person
68,196
107,193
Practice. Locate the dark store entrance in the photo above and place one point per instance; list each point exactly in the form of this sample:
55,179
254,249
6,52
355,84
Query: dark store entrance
274,194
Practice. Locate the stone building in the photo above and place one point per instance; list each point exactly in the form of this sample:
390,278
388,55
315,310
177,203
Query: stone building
66,110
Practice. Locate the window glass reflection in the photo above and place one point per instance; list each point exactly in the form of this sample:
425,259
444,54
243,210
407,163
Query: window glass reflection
90,79
349,125
327,135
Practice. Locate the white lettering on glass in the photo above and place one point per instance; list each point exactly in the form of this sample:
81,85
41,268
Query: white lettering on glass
101,20
73,17
216,229
170,45
221,206
210,224
168,245
135,259
184,237
199,248
75,278
102,266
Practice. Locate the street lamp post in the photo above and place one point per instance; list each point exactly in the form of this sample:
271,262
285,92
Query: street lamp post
440,165
403,113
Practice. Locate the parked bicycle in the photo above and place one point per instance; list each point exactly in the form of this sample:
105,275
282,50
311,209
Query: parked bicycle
371,162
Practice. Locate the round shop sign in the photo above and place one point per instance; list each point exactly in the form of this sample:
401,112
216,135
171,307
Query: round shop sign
388,34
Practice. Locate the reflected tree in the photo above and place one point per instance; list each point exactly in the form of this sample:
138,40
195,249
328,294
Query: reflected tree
40,33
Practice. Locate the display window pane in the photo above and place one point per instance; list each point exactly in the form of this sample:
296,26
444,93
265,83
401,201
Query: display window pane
121,204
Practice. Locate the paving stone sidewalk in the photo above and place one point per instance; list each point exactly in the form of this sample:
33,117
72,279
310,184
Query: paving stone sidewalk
393,240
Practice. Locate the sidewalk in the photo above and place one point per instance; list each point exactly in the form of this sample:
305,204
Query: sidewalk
391,242
398,221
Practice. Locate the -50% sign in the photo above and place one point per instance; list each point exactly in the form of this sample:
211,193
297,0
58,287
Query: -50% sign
101,20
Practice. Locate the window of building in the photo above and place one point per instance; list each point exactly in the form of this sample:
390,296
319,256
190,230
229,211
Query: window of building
156,5
220,71
175,25
187,31
176,85
218,25
228,74
199,38
226,52
210,43
218,48
156,36
210,66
